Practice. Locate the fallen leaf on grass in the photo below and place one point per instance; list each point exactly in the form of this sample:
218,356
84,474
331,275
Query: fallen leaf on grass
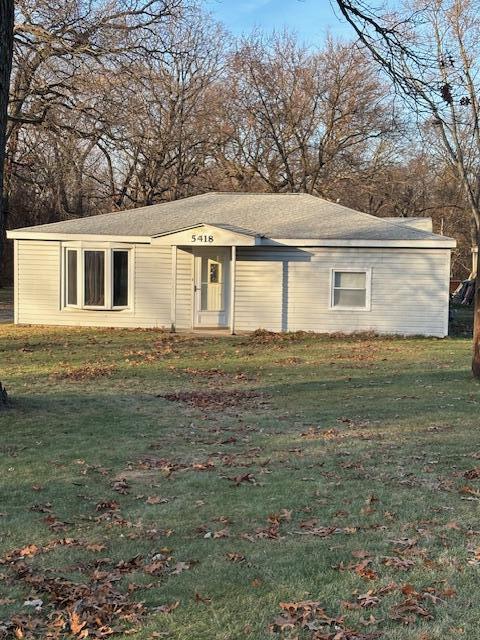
271,531
315,433
368,600
155,568
107,505
166,608
77,625
283,623
202,599
180,567
42,508
309,615
29,551
453,526
248,478
234,556
467,490
202,466
324,532
476,557
95,547
472,474
361,554
405,543
413,607
156,500
121,486
408,610
402,564
54,524
363,570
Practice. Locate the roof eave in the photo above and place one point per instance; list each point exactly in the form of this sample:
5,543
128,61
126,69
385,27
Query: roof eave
23,234
427,243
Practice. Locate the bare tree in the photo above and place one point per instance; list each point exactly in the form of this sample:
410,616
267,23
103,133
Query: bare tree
431,50
126,127
6,54
59,46
123,117
296,118
164,132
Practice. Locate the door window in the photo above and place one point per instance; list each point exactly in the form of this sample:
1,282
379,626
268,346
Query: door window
212,284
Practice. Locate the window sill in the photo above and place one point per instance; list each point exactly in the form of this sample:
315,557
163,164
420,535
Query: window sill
98,309
362,309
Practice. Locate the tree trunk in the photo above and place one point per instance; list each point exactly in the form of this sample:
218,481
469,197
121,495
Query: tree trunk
6,53
476,317
3,396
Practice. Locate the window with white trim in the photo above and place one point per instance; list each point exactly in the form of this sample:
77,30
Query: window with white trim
94,278
97,278
350,289
71,279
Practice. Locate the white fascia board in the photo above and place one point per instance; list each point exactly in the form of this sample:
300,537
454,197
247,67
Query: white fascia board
179,230
444,243
81,237
208,225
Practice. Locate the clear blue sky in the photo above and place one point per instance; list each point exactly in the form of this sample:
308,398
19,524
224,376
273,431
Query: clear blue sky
311,19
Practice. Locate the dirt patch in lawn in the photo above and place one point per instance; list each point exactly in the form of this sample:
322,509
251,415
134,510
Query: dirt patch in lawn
217,400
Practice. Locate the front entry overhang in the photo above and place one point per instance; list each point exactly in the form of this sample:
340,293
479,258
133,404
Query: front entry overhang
198,239
208,235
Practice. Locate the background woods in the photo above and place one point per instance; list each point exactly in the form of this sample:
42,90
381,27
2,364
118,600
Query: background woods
121,104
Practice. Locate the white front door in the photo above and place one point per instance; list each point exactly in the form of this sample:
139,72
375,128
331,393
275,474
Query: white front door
212,279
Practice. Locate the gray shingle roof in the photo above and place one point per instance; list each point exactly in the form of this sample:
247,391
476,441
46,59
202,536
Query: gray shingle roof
271,215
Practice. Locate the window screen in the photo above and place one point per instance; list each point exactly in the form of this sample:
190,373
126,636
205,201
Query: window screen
72,294
120,278
349,289
94,294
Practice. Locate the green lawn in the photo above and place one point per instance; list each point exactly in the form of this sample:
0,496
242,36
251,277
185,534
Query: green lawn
231,475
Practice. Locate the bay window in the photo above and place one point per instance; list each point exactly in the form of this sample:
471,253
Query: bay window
71,279
94,274
97,278
120,278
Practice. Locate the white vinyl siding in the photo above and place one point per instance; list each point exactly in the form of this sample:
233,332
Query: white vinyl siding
39,281
152,285
289,290
259,290
184,306
279,289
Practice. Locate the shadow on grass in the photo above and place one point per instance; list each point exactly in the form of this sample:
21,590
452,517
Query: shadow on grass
426,396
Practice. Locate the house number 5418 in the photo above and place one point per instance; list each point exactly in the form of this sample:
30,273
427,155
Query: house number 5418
198,237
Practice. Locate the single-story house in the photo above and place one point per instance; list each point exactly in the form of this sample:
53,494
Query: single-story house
238,261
